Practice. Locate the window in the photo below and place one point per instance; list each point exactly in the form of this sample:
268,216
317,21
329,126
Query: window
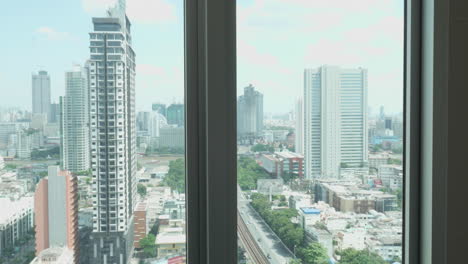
320,83
280,52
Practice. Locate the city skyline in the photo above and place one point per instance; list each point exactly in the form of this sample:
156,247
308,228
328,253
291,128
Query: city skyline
54,48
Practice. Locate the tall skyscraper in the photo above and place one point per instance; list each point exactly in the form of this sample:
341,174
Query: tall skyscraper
41,94
175,114
56,211
113,136
299,137
335,120
250,112
75,121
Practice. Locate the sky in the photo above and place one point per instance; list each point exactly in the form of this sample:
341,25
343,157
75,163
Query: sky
276,41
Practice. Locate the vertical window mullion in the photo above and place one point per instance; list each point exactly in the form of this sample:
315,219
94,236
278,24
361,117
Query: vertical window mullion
211,131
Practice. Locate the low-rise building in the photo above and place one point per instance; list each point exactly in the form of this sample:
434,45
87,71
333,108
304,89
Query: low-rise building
140,223
171,242
348,196
376,160
284,164
17,222
391,176
55,255
308,216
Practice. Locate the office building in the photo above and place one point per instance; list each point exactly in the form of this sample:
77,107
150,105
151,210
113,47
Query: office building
299,137
171,137
113,136
74,125
175,114
41,94
56,211
250,113
335,120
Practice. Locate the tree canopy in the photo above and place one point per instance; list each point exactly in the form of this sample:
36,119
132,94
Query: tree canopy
175,177
148,245
354,256
141,189
314,253
262,148
248,172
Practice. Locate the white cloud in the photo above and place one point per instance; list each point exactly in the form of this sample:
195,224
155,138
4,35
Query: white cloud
274,35
52,34
139,11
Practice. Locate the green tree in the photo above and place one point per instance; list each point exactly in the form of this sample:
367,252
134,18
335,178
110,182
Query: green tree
248,172
262,148
295,261
11,166
279,220
148,245
141,189
314,253
354,256
175,177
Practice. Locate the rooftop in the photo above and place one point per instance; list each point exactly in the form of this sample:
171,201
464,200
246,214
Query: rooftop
310,210
15,208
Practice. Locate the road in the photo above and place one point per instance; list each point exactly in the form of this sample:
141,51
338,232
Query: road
268,241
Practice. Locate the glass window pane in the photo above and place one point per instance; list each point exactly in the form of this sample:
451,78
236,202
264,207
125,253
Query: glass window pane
92,165
320,131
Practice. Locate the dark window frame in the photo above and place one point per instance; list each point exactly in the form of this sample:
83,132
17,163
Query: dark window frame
433,58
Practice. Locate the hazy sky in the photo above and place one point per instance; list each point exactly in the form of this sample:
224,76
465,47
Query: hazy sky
277,39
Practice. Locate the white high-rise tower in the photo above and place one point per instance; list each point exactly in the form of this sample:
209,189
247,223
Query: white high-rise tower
335,120
113,136
75,121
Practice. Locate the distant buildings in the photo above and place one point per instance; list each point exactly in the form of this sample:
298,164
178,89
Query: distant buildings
391,176
41,94
113,136
26,141
10,128
250,113
56,211
284,164
172,137
159,108
55,255
299,137
335,120
16,221
75,121
348,197
54,113
175,114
